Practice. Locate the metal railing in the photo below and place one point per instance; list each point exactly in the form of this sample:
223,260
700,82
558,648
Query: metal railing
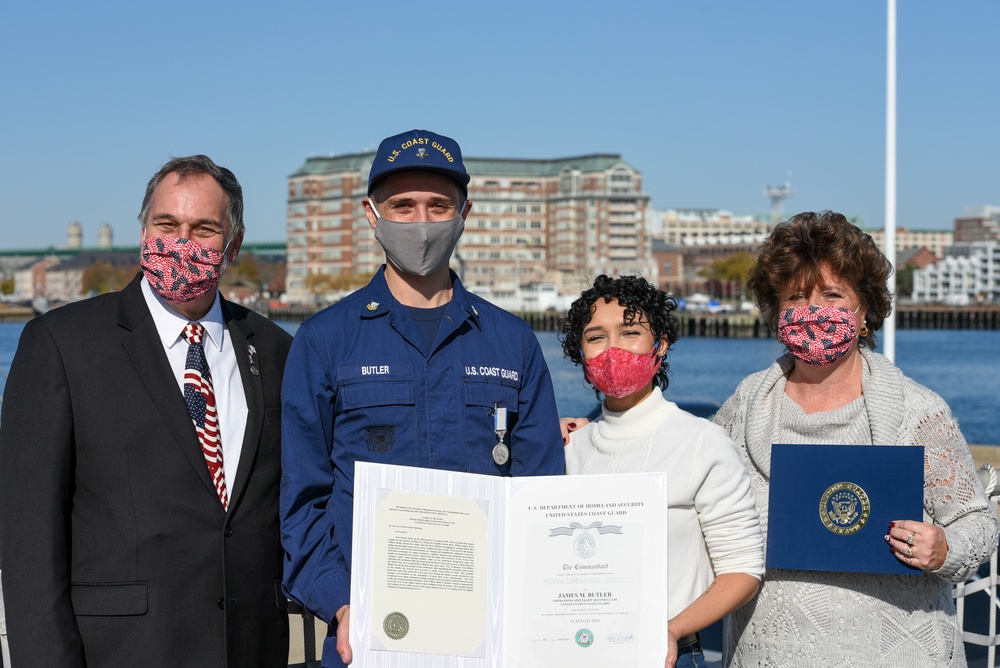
987,586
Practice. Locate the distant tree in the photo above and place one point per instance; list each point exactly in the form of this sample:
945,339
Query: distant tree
321,284
246,268
252,269
904,281
102,277
7,286
350,281
733,267
728,271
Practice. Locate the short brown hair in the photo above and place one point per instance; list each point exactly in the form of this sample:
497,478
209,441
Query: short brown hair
795,253
195,165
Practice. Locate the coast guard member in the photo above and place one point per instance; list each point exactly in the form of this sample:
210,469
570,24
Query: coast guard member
410,370
139,457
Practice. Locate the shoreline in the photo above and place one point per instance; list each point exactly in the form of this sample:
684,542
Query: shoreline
986,454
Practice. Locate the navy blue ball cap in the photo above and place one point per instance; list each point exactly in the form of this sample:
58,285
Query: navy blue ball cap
419,149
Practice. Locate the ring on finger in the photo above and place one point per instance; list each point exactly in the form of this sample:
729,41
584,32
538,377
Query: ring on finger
909,539
909,552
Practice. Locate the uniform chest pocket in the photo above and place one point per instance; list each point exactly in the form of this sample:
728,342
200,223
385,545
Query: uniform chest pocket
480,398
369,394
480,393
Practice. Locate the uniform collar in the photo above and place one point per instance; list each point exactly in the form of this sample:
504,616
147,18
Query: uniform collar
170,323
378,301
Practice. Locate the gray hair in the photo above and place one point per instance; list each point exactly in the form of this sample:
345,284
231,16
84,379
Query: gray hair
194,165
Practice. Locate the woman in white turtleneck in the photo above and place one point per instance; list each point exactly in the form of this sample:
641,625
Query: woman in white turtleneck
620,331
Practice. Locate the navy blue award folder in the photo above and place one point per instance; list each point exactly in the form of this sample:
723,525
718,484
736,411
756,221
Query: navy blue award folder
830,505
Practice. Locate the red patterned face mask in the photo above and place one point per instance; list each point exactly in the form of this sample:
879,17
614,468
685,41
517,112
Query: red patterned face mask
180,270
818,335
619,373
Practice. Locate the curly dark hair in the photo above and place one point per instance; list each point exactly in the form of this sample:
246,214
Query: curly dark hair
642,302
795,253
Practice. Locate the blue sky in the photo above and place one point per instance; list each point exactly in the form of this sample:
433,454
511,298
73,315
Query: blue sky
710,100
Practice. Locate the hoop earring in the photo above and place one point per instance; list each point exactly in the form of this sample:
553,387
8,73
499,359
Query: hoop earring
864,331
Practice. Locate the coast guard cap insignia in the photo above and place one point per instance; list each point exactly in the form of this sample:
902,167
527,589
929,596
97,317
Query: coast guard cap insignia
371,306
844,508
421,153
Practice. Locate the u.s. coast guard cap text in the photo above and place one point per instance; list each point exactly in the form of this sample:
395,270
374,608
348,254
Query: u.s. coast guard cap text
418,149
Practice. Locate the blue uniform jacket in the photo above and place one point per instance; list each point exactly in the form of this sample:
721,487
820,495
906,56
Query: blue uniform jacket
358,386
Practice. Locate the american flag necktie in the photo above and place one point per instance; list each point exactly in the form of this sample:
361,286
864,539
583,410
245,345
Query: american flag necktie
200,398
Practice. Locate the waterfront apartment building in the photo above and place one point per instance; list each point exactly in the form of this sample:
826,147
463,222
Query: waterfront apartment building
936,241
554,220
703,227
978,224
30,279
969,273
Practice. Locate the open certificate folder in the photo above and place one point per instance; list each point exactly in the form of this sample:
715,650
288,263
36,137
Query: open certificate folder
458,569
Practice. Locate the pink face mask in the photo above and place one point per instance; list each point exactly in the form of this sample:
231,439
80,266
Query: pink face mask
619,373
818,335
180,270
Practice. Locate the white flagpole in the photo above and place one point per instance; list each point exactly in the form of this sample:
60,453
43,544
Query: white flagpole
889,328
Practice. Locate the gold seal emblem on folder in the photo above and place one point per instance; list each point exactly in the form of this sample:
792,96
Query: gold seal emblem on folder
844,508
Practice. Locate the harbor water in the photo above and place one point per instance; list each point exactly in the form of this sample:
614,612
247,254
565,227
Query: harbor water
963,366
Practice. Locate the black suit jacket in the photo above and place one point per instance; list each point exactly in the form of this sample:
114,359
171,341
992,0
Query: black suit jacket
114,547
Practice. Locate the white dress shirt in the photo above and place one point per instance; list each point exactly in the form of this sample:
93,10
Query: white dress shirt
230,398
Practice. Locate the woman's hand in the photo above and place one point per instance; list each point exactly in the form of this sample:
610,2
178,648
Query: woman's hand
569,425
671,650
918,544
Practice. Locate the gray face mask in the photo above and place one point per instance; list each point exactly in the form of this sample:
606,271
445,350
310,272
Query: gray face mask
420,248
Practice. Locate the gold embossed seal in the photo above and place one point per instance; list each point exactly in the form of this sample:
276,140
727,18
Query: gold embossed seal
844,508
396,625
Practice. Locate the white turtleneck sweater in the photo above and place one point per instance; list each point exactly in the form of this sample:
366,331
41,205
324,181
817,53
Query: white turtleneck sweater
712,522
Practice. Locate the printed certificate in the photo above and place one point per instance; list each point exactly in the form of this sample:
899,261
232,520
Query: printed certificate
457,569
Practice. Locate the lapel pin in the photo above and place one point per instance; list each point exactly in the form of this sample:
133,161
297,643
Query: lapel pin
251,352
371,306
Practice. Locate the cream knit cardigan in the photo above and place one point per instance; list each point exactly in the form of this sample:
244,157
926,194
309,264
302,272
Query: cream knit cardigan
802,618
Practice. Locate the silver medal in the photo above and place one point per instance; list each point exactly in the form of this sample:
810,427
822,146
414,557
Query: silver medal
501,453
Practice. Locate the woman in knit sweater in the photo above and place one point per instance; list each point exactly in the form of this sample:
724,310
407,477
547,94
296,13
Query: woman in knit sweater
830,387
620,331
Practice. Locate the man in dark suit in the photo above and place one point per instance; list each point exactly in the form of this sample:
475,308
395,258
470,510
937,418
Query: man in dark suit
129,536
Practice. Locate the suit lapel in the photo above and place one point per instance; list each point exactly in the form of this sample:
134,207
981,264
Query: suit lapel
247,361
145,349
